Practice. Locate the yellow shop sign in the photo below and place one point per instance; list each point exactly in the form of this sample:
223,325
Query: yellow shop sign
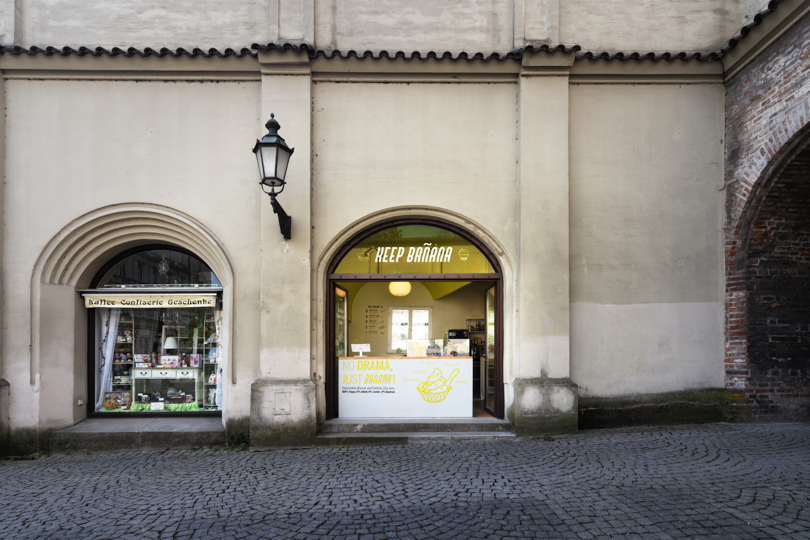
138,301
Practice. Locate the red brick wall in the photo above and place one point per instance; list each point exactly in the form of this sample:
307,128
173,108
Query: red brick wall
778,296
767,113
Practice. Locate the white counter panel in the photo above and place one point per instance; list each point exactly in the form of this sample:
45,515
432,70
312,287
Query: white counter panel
432,387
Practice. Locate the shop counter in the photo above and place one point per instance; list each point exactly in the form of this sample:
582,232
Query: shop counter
405,387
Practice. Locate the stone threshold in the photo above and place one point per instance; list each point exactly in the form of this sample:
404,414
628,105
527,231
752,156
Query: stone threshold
138,434
407,437
412,425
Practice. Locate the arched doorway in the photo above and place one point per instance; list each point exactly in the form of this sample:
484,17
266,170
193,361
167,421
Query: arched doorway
154,320
424,287
777,281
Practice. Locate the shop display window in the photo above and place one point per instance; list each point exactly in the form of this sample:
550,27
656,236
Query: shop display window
420,301
158,360
164,356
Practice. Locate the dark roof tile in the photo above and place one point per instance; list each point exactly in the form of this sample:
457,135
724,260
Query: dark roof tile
351,53
746,29
117,51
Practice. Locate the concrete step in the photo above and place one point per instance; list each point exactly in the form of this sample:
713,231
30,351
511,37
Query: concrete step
407,437
138,434
410,425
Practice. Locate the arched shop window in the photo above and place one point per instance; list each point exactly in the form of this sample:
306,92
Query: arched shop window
423,301
156,320
158,267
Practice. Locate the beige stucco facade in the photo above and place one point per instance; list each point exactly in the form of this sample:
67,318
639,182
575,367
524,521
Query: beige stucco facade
596,184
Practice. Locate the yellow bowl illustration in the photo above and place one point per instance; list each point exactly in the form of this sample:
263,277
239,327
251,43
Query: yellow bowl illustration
434,397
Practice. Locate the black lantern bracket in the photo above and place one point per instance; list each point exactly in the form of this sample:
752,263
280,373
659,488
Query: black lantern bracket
284,221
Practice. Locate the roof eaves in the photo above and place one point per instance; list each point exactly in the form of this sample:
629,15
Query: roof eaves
313,52
756,20
665,56
18,50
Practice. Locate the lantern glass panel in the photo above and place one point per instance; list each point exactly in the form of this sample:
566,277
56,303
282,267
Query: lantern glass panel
260,162
269,158
283,161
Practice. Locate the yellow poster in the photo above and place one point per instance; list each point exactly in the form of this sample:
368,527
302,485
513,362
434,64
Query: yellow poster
152,301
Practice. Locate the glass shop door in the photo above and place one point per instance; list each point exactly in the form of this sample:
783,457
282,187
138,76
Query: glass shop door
490,352
341,300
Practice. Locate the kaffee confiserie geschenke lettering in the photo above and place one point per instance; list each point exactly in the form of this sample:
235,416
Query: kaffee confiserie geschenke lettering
151,301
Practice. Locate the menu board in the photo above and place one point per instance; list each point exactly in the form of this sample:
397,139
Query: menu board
375,322
435,387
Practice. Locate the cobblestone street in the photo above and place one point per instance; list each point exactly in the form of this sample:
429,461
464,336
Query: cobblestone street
710,481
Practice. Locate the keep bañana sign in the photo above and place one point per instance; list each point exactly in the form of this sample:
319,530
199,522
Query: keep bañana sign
139,301
434,387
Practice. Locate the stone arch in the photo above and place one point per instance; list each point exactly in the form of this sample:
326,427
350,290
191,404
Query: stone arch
71,259
326,255
787,139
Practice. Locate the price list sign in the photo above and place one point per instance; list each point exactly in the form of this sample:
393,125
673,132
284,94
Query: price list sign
375,320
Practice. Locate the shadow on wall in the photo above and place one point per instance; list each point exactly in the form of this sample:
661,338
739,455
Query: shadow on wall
18,442
668,408
4,405
778,297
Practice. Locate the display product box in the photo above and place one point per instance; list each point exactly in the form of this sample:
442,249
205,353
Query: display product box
117,399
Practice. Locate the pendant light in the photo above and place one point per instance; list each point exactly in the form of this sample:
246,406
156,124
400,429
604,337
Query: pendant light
399,288
170,344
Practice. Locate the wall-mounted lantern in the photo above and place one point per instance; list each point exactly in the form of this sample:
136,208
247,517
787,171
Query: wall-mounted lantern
273,156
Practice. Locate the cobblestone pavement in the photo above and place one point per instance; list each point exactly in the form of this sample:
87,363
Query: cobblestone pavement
711,481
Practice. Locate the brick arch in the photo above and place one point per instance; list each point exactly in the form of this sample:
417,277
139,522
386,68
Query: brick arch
746,210
751,208
780,137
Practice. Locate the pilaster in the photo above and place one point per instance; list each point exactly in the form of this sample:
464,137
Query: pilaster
536,21
545,398
296,20
11,13
283,400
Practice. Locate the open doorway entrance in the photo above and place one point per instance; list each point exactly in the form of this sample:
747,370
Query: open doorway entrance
421,301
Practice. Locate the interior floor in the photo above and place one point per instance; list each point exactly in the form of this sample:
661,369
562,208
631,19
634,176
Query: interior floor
478,409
